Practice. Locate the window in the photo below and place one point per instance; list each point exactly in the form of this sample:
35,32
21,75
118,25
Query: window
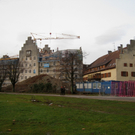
21,71
47,70
109,74
131,65
25,77
41,71
125,64
99,85
26,65
94,85
28,53
106,74
34,58
75,69
102,75
21,77
54,63
25,71
29,71
26,58
34,64
30,65
124,73
34,71
133,74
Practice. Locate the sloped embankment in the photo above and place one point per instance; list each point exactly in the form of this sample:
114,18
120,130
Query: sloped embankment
25,86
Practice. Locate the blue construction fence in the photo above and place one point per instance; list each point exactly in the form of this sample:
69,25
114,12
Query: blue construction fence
104,87
94,87
115,88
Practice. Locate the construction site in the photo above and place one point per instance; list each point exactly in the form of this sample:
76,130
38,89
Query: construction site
42,65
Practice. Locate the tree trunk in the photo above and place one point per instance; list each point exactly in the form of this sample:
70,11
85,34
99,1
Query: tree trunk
72,84
13,87
1,86
72,88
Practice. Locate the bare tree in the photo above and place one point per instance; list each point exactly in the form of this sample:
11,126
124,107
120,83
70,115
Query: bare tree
3,73
71,67
15,68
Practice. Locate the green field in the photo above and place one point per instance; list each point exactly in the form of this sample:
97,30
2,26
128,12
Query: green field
41,115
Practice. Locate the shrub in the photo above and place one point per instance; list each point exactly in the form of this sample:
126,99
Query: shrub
48,87
40,88
35,88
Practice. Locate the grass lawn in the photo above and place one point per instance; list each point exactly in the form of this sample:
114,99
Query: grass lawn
40,115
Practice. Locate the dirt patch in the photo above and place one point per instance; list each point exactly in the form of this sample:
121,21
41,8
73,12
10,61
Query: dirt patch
26,85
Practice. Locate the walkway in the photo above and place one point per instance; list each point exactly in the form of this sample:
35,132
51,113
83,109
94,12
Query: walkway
130,99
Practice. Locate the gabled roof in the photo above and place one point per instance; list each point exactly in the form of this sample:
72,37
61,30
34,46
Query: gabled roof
109,60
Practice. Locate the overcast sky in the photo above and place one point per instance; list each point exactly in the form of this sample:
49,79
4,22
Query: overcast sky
101,24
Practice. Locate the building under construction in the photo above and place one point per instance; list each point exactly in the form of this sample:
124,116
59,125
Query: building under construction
43,61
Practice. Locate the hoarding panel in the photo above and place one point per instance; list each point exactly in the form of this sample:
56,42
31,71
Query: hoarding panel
85,84
81,86
77,85
89,85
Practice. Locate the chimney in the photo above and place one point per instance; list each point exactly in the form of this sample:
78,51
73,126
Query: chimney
120,48
46,46
109,52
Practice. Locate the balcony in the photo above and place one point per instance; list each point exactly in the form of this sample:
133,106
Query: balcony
95,77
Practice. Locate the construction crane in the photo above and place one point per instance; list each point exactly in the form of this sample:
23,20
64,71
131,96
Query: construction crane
53,36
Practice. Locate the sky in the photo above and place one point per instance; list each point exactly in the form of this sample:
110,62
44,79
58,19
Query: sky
101,24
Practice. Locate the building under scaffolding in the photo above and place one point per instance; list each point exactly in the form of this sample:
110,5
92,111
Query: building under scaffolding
44,61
